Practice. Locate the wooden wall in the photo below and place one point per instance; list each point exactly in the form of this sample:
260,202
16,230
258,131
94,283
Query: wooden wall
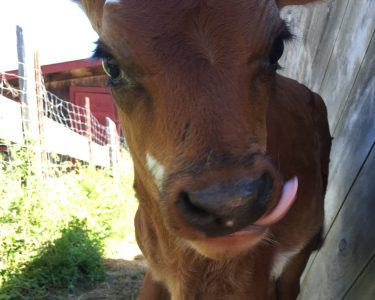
334,55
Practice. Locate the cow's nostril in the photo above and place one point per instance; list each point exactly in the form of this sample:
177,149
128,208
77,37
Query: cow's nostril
185,203
220,221
225,208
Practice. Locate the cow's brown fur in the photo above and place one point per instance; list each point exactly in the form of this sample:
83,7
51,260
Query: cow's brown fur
204,104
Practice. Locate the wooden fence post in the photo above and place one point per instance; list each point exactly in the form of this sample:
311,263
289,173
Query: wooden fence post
28,87
113,146
40,110
88,126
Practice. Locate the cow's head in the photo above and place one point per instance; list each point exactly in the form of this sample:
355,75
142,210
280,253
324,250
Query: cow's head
192,81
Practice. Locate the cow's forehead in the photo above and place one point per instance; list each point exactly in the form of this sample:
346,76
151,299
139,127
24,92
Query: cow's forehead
243,25
154,15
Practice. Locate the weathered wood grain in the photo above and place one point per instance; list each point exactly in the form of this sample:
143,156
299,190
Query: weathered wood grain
350,48
349,245
334,55
307,57
353,137
364,287
298,20
331,20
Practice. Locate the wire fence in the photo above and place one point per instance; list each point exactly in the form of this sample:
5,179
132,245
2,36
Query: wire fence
62,126
66,113
74,117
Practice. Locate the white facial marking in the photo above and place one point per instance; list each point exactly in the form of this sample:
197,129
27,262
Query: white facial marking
156,169
281,261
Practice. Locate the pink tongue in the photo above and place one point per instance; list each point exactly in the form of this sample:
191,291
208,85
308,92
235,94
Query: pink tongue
287,199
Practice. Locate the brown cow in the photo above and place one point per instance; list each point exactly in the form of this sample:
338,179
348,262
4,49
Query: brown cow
230,158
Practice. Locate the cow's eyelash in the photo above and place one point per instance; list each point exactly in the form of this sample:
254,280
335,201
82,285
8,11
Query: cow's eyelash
101,51
286,33
284,36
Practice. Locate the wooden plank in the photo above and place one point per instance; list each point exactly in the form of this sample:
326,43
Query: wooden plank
332,21
100,155
10,121
352,43
354,136
297,18
350,244
330,47
306,57
364,287
62,140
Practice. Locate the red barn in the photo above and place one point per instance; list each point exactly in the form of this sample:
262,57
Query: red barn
74,81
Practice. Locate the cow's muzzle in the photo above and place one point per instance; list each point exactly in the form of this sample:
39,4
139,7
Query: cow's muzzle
225,208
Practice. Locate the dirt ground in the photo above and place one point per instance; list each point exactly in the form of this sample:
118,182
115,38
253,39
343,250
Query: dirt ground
124,278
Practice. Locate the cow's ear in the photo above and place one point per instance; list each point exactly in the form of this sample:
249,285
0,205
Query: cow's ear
282,3
94,11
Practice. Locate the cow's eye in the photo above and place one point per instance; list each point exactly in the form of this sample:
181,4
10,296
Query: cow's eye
113,70
277,51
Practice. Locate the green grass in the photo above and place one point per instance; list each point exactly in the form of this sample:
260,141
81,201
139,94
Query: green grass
54,232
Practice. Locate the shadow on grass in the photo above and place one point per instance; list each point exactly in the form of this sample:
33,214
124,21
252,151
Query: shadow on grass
72,262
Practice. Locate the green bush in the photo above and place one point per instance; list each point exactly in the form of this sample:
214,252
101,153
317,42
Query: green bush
73,259
53,231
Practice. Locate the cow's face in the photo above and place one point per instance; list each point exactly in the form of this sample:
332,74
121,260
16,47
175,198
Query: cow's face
192,81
